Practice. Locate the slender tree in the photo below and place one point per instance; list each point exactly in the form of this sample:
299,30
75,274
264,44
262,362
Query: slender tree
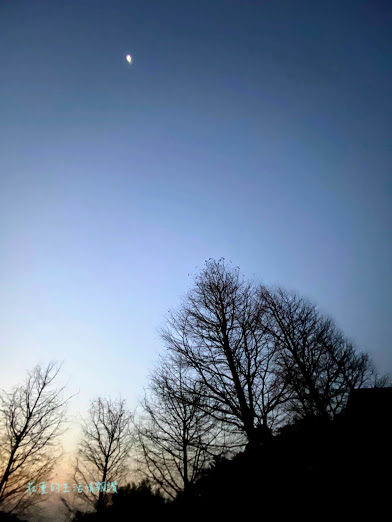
177,439
31,421
103,454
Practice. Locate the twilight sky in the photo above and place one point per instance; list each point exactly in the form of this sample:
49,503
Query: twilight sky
254,130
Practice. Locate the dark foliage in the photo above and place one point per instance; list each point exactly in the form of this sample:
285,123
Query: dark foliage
6,517
131,502
314,465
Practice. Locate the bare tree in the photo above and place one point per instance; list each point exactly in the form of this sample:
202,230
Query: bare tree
31,418
104,451
176,438
319,365
219,334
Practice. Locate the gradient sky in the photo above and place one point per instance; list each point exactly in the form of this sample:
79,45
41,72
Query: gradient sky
258,131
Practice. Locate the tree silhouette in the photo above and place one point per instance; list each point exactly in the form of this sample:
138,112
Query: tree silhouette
31,419
319,365
176,437
104,451
262,356
219,334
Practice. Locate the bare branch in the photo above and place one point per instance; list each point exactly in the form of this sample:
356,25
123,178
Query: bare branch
31,418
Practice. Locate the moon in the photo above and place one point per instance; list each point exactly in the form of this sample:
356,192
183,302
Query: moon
129,58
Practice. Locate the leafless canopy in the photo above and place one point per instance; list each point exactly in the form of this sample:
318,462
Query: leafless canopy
104,451
319,365
176,438
220,335
262,356
31,419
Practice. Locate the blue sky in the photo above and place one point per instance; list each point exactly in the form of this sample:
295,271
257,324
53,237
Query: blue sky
255,131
